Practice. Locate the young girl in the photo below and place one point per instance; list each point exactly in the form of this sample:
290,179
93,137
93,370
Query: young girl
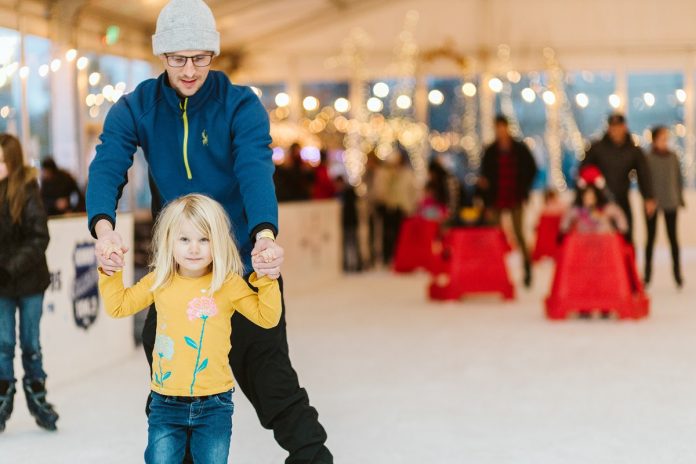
592,211
196,285
23,279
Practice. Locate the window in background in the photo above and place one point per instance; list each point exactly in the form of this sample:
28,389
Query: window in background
391,97
590,95
37,54
273,95
10,89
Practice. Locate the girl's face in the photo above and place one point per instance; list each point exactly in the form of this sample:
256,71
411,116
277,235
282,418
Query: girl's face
589,199
3,165
192,251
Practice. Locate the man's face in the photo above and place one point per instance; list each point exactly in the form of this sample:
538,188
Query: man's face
617,132
187,79
502,132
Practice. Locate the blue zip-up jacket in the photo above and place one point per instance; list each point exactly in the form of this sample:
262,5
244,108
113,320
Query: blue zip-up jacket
216,142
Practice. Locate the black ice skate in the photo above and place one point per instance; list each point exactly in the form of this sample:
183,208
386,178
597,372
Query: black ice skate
7,392
35,392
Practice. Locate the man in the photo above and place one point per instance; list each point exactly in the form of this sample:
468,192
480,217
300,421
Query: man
59,190
508,170
617,156
199,133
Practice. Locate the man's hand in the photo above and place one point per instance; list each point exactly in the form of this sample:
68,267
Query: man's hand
267,257
109,248
650,207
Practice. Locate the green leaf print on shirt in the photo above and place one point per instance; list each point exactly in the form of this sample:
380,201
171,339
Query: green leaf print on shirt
164,347
202,308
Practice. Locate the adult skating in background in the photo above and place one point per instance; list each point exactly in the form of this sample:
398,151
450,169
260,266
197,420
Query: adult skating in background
667,183
200,133
616,156
23,279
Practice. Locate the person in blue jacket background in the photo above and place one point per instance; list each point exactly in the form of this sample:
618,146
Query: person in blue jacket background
201,134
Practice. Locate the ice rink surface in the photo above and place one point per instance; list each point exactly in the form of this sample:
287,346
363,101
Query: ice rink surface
400,380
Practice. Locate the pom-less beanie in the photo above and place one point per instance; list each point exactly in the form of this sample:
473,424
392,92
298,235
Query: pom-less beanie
185,25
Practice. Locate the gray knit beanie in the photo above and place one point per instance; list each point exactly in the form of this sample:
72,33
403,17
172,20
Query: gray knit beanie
185,25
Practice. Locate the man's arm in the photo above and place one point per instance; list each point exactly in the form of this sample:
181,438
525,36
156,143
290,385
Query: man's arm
253,165
108,174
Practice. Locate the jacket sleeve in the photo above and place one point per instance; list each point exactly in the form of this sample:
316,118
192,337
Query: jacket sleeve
253,163
108,172
590,157
123,302
530,165
644,180
264,307
34,230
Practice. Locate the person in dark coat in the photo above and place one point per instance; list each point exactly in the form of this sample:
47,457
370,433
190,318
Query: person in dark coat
24,277
508,170
617,156
293,180
59,190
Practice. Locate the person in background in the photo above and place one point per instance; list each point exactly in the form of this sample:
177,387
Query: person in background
323,187
435,201
375,179
400,200
508,170
667,184
352,261
592,211
292,178
553,205
24,277
617,156
59,190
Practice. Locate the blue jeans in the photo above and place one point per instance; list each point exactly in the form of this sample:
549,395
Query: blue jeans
30,309
170,420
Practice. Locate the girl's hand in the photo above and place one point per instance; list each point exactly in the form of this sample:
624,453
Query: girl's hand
267,258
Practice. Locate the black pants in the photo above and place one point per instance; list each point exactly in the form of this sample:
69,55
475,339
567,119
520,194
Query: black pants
392,225
626,208
261,365
671,222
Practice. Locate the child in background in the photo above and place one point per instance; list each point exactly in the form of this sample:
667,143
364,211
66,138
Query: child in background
196,284
553,206
592,211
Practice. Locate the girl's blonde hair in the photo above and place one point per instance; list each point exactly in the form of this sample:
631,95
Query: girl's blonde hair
210,219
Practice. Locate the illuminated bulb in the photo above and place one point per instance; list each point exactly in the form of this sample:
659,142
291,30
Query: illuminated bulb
549,97
94,78
82,63
528,95
282,100
91,99
43,70
342,105
120,87
99,99
24,72
380,89
681,95
496,85
117,95
436,97
70,55
469,89
582,100
108,92
55,65
94,111
614,100
5,111
310,103
514,76
375,105
404,102
649,99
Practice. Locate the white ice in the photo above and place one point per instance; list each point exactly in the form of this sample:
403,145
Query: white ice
398,379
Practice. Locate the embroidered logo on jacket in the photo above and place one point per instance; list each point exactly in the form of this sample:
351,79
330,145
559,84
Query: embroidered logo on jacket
204,137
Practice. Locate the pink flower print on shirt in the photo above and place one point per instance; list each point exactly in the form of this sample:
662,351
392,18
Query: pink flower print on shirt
201,308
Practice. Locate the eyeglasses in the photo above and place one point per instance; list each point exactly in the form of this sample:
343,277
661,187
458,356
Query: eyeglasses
179,61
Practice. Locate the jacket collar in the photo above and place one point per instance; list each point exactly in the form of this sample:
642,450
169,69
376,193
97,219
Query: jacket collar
195,101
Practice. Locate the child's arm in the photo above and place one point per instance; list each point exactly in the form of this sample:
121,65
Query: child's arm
120,301
263,308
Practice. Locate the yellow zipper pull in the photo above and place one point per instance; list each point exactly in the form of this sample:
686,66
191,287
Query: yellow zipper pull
186,131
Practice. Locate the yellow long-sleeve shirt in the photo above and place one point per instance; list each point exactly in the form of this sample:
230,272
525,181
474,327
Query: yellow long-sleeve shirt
191,351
